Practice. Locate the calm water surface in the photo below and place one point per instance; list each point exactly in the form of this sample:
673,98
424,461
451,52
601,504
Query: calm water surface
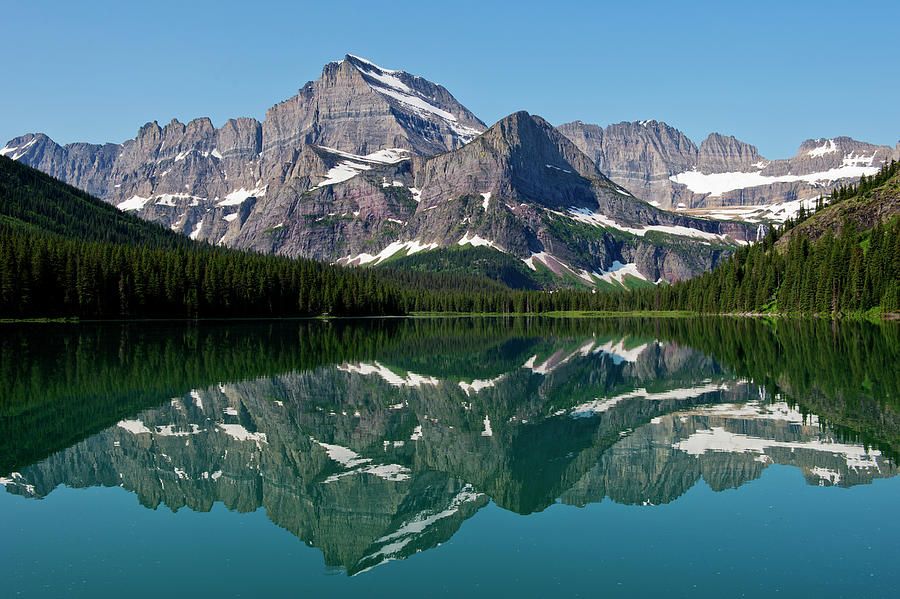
436,457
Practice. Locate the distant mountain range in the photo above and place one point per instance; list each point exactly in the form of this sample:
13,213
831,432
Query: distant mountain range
367,165
660,164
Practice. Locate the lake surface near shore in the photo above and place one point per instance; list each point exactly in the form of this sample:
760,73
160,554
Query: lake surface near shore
446,456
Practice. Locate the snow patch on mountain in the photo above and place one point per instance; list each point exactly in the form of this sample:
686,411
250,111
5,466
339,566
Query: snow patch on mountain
414,101
557,266
716,184
238,196
387,83
135,427
370,63
385,156
389,472
559,358
355,164
411,247
754,214
344,171
392,544
476,241
754,410
479,385
603,404
596,219
618,271
619,352
828,147
18,151
135,202
826,474
239,433
344,456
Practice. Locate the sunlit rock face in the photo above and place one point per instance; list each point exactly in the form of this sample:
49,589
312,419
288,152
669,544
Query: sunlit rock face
660,164
366,164
203,181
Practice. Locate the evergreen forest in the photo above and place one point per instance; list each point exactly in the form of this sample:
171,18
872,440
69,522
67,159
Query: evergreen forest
64,253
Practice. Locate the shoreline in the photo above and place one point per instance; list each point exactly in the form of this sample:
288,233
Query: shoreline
873,317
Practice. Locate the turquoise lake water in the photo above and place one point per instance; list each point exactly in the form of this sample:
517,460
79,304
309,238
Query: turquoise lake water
441,457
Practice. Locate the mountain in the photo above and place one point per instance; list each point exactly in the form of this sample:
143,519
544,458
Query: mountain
660,164
177,173
521,188
64,253
368,164
842,258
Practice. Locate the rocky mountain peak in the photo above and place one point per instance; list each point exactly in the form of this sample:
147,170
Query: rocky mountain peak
658,163
30,143
588,138
531,142
185,175
651,142
520,158
359,107
719,153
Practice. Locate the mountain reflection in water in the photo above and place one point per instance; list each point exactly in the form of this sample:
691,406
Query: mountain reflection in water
375,440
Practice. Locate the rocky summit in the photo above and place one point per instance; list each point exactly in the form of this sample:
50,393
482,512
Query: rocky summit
178,173
661,165
521,189
369,166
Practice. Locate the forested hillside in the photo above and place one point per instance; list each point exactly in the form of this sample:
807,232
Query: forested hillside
66,254
37,203
805,267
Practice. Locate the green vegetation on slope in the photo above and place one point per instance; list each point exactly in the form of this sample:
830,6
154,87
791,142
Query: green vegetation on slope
34,202
479,261
854,272
63,254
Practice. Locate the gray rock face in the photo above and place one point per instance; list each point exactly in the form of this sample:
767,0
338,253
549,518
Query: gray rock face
645,142
659,164
366,163
359,107
719,154
521,188
182,175
79,164
639,156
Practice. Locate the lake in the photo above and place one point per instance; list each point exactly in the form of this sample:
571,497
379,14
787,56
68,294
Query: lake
445,456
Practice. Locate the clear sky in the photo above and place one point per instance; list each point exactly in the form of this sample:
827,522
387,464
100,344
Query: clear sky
769,73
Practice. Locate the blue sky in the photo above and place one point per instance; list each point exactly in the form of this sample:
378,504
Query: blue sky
769,73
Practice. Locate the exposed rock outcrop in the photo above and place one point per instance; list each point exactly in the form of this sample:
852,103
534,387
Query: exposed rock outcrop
659,164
